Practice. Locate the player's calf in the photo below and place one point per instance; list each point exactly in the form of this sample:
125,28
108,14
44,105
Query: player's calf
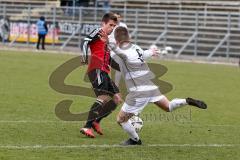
123,120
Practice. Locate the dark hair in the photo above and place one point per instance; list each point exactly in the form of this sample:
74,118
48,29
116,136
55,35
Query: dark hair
42,18
109,16
121,34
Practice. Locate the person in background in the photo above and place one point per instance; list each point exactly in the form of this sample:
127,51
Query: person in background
239,63
4,29
42,31
105,4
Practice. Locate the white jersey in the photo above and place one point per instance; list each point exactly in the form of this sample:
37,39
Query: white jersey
134,68
137,77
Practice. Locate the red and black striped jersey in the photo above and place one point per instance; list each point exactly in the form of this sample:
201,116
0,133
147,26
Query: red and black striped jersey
100,54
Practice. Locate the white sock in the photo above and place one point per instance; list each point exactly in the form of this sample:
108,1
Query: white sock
176,103
130,130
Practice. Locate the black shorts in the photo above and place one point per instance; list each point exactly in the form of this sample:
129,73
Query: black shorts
102,83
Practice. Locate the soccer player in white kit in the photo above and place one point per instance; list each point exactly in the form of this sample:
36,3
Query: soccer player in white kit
141,90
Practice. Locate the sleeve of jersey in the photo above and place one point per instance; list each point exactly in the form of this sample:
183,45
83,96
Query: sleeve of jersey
116,57
115,51
114,63
147,54
91,37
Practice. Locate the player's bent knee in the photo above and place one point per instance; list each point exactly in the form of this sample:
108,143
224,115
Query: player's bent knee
163,104
121,119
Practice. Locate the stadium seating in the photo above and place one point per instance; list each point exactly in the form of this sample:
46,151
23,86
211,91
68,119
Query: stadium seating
217,5
32,2
211,25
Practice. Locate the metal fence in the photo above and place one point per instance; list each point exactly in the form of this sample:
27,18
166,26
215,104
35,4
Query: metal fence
208,33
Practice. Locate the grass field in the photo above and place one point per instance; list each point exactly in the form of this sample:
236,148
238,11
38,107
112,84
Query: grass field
29,128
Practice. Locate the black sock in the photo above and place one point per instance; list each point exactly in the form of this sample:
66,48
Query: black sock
93,113
106,110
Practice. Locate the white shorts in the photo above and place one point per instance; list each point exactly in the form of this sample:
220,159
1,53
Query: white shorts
140,104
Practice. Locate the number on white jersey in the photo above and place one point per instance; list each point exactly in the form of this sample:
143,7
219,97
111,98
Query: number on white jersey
140,55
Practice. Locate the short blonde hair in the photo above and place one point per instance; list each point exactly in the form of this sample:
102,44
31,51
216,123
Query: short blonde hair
121,34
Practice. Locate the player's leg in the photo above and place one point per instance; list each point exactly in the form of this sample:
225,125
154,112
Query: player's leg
106,110
169,106
112,104
103,105
123,121
38,42
94,112
103,111
132,106
92,115
98,85
43,42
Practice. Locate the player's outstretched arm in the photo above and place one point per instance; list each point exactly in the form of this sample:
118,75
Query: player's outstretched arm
150,52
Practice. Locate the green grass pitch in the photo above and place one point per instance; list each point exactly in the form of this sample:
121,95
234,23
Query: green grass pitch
30,130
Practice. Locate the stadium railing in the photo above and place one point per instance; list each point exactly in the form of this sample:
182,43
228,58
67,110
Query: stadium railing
215,33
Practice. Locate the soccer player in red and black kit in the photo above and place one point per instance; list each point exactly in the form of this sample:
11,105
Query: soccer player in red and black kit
107,92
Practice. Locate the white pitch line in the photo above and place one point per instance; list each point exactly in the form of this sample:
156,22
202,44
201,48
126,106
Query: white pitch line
112,146
180,124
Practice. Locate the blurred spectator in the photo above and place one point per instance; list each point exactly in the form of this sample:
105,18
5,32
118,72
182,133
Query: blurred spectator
105,4
42,32
4,29
239,63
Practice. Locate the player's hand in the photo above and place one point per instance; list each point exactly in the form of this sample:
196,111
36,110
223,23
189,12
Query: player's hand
155,51
103,36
